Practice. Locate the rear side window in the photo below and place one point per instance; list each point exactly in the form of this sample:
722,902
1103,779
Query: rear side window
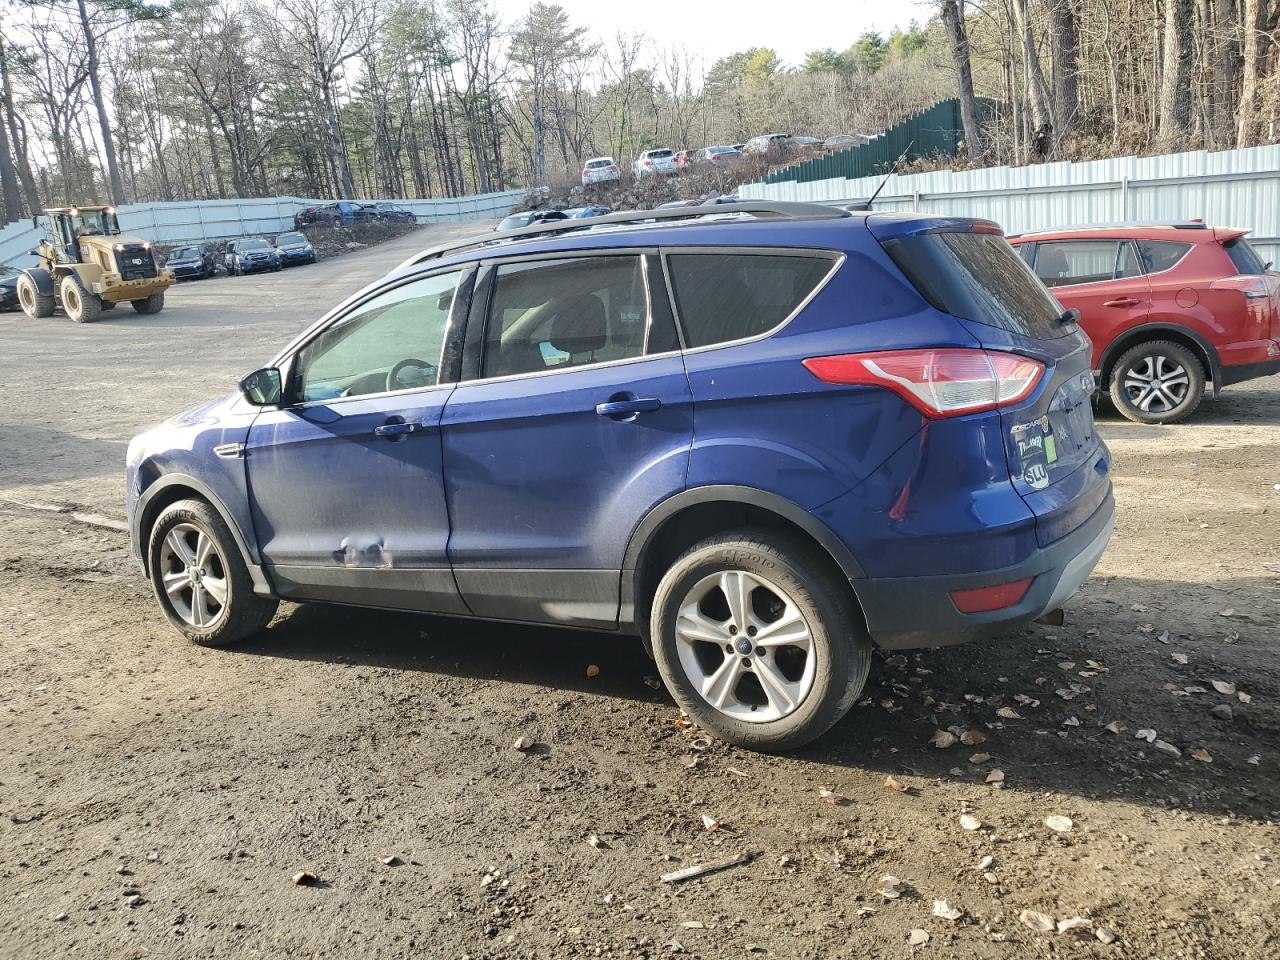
979,277
1065,262
1245,258
546,315
1159,255
732,296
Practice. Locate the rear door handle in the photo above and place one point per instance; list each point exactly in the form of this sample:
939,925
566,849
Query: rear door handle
628,408
1122,302
397,429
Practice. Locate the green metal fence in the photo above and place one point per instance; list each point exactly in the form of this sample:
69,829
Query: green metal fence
930,133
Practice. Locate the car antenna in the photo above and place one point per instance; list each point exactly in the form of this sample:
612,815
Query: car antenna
865,205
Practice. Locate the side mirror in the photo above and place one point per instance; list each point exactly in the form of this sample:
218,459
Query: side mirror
262,388
34,253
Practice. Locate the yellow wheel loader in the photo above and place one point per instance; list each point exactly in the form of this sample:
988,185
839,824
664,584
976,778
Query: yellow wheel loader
88,266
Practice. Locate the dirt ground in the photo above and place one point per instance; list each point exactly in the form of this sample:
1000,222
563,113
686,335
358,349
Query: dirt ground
156,798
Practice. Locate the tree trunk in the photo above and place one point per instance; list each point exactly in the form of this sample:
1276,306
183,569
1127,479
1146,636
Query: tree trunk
8,180
17,139
1066,65
1225,66
1037,89
953,18
1177,53
1246,117
104,124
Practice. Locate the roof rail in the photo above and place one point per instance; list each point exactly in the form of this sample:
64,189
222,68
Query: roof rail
782,210
1118,225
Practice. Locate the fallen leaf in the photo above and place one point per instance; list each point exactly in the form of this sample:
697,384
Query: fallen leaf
1164,636
942,739
1058,823
893,783
1229,612
710,823
653,683
1147,735
946,911
890,887
918,937
972,737
1243,697
1201,754
593,670
986,863
1074,923
970,822
1179,658
1136,608
1255,760
1026,701
1105,934
980,758
1008,713
693,924
995,776
1071,722
1224,688
1039,922
831,797
1115,726
690,760
1167,748
522,744
305,878
391,861
1067,665
596,842
738,773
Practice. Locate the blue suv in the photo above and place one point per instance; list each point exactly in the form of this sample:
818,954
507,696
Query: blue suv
764,439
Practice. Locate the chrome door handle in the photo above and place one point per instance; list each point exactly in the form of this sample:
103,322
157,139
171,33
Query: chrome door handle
1122,302
397,429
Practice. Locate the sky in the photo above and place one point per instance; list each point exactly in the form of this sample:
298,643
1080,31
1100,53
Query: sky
715,28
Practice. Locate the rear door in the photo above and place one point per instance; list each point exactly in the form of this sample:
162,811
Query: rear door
1102,278
573,420
1057,462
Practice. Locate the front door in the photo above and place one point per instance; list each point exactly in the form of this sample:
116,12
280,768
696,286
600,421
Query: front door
579,421
345,483
1103,279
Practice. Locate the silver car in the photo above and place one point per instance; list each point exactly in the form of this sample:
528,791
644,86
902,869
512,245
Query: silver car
655,161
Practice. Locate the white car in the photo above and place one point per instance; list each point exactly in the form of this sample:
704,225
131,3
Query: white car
600,170
655,161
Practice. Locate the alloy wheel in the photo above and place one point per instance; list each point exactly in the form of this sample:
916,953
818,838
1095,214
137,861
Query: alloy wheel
194,576
1156,384
745,646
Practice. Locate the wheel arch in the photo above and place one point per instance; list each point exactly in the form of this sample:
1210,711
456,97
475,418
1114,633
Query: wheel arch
169,489
43,280
1144,333
680,521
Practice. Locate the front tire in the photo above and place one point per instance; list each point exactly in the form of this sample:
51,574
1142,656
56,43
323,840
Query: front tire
152,304
79,304
35,304
1157,382
759,640
199,578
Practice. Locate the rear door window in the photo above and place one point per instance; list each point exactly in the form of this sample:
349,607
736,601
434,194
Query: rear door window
1065,262
1161,255
1245,258
722,297
979,277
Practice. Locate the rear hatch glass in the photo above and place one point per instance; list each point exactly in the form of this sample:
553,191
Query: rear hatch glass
1246,259
659,154
1057,463
977,276
598,164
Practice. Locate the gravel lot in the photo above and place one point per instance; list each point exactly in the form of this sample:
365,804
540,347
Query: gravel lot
157,798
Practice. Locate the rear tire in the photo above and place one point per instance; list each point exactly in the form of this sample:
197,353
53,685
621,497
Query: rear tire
215,605
80,305
35,304
1157,382
107,304
792,684
151,304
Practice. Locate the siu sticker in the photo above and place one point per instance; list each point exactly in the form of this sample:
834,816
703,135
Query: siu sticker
1033,453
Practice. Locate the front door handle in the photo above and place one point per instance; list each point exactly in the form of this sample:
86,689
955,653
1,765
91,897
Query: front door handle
1122,302
629,407
398,429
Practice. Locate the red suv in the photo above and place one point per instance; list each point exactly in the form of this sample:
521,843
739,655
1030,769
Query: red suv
1168,307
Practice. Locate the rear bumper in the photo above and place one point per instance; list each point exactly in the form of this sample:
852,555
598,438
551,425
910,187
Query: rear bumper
1238,373
907,612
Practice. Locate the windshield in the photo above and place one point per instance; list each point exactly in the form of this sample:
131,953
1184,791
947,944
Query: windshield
659,154
252,245
979,277
94,223
185,253
290,240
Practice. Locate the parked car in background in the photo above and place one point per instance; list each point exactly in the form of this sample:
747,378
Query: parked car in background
578,213
305,217
600,170
803,143
723,198
295,248
842,141
517,220
894,446
1168,307
766,142
671,204
192,261
345,213
717,155
390,212
9,288
655,161
250,256
683,159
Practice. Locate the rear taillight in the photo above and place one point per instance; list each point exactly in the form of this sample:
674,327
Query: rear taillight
939,382
648,163
1253,286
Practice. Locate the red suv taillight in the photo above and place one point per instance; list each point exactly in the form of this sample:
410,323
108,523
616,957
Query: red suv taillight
1253,287
939,382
